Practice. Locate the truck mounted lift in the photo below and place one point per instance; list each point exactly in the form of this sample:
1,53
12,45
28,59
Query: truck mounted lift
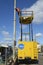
27,50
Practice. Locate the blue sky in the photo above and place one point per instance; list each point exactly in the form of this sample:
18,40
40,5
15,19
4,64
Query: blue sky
7,17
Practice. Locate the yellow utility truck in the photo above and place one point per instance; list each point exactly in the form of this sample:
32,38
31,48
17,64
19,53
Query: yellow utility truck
27,49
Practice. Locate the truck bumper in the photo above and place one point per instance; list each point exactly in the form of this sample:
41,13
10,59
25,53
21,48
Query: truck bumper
27,61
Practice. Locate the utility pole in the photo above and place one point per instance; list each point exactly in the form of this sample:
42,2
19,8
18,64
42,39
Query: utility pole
14,32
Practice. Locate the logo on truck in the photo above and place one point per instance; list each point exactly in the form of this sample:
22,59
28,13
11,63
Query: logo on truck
21,46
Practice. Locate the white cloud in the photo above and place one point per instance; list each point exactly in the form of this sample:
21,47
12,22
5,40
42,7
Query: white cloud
39,35
37,8
1,41
9,42
8,38
5,33
24,37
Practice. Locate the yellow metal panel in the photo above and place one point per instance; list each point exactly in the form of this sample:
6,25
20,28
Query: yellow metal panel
29,50
34,51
